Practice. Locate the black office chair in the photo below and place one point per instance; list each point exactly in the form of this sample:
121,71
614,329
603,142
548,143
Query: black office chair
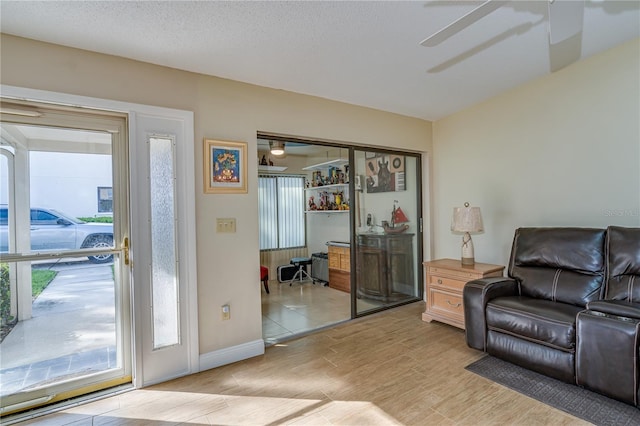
301,274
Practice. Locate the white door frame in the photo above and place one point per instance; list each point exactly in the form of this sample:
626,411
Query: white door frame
187,234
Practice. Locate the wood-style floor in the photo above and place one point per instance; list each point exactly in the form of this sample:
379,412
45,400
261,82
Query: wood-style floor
390,368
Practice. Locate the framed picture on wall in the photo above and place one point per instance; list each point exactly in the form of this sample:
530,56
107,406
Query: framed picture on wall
225,167
385,173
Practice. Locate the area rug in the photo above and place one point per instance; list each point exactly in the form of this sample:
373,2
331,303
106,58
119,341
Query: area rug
578,402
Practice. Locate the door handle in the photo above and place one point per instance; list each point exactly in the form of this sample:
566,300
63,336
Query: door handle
125,248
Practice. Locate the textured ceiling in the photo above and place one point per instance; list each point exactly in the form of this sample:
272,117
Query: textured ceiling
363,53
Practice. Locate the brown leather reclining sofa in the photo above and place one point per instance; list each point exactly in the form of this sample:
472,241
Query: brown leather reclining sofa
569,308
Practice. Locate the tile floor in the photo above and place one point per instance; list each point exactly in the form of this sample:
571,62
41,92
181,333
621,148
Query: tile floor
292,310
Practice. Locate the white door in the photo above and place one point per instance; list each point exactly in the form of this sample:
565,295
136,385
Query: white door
64,282
163,346
165,311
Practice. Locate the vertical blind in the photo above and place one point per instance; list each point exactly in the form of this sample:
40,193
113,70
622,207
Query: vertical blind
281,212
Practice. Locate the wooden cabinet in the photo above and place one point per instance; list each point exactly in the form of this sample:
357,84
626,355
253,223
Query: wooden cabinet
385,266
445,279
340,268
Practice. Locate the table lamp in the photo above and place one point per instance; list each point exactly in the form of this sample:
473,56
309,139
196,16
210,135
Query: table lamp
467,219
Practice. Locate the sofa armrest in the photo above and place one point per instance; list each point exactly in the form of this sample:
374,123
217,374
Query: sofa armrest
475,295
620,308
606,353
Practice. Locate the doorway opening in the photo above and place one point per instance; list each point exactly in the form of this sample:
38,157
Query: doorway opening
359,213
159,152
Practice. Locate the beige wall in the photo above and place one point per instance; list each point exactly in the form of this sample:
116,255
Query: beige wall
561,150
223,109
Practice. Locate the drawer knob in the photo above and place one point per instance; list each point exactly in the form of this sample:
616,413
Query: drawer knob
439,281
455,305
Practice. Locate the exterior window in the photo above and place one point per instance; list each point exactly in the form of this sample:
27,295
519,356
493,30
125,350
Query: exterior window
105,199
281,212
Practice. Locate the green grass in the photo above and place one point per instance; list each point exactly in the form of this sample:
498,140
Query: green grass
101,219
40,279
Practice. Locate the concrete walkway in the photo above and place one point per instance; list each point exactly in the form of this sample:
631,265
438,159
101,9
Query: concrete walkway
71,332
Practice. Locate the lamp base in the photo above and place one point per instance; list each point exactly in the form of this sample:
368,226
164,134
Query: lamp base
467,250
469,261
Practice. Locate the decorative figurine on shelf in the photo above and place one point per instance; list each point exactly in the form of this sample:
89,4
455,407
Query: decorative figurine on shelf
324,205
312,204
270,162
337,196
263,162
334,176
398,221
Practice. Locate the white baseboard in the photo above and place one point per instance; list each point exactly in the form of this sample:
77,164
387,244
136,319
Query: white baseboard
230,355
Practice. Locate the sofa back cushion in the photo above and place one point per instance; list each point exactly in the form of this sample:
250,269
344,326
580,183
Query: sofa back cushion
559,264
623,264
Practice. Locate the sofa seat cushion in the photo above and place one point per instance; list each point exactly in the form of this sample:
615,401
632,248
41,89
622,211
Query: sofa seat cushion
541,321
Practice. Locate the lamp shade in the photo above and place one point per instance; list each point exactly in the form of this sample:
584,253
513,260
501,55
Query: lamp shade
467,219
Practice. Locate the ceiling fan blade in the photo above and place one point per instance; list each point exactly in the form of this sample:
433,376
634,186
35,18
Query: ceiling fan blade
460,24
565,19
565,32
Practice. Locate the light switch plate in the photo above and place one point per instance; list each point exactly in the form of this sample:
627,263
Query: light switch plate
226,224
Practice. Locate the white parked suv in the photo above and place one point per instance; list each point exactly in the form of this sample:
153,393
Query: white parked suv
52,230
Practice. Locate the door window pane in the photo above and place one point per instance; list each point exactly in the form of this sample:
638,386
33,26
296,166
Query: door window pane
58,313
388,242
163,243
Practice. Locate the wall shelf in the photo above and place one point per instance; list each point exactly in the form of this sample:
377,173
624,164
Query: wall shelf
271,168
326,211
338,162
327,187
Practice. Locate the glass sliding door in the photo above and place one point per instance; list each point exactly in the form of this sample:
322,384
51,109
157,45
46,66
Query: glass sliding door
388,221
64,286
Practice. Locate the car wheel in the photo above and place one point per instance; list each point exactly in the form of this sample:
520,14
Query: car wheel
101,241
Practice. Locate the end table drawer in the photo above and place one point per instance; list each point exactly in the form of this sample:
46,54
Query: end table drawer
448,283
462,275
446,302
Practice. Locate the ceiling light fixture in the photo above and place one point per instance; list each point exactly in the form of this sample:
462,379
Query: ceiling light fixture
276,147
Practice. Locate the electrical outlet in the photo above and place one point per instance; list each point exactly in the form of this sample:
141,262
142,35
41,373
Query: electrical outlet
226,312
